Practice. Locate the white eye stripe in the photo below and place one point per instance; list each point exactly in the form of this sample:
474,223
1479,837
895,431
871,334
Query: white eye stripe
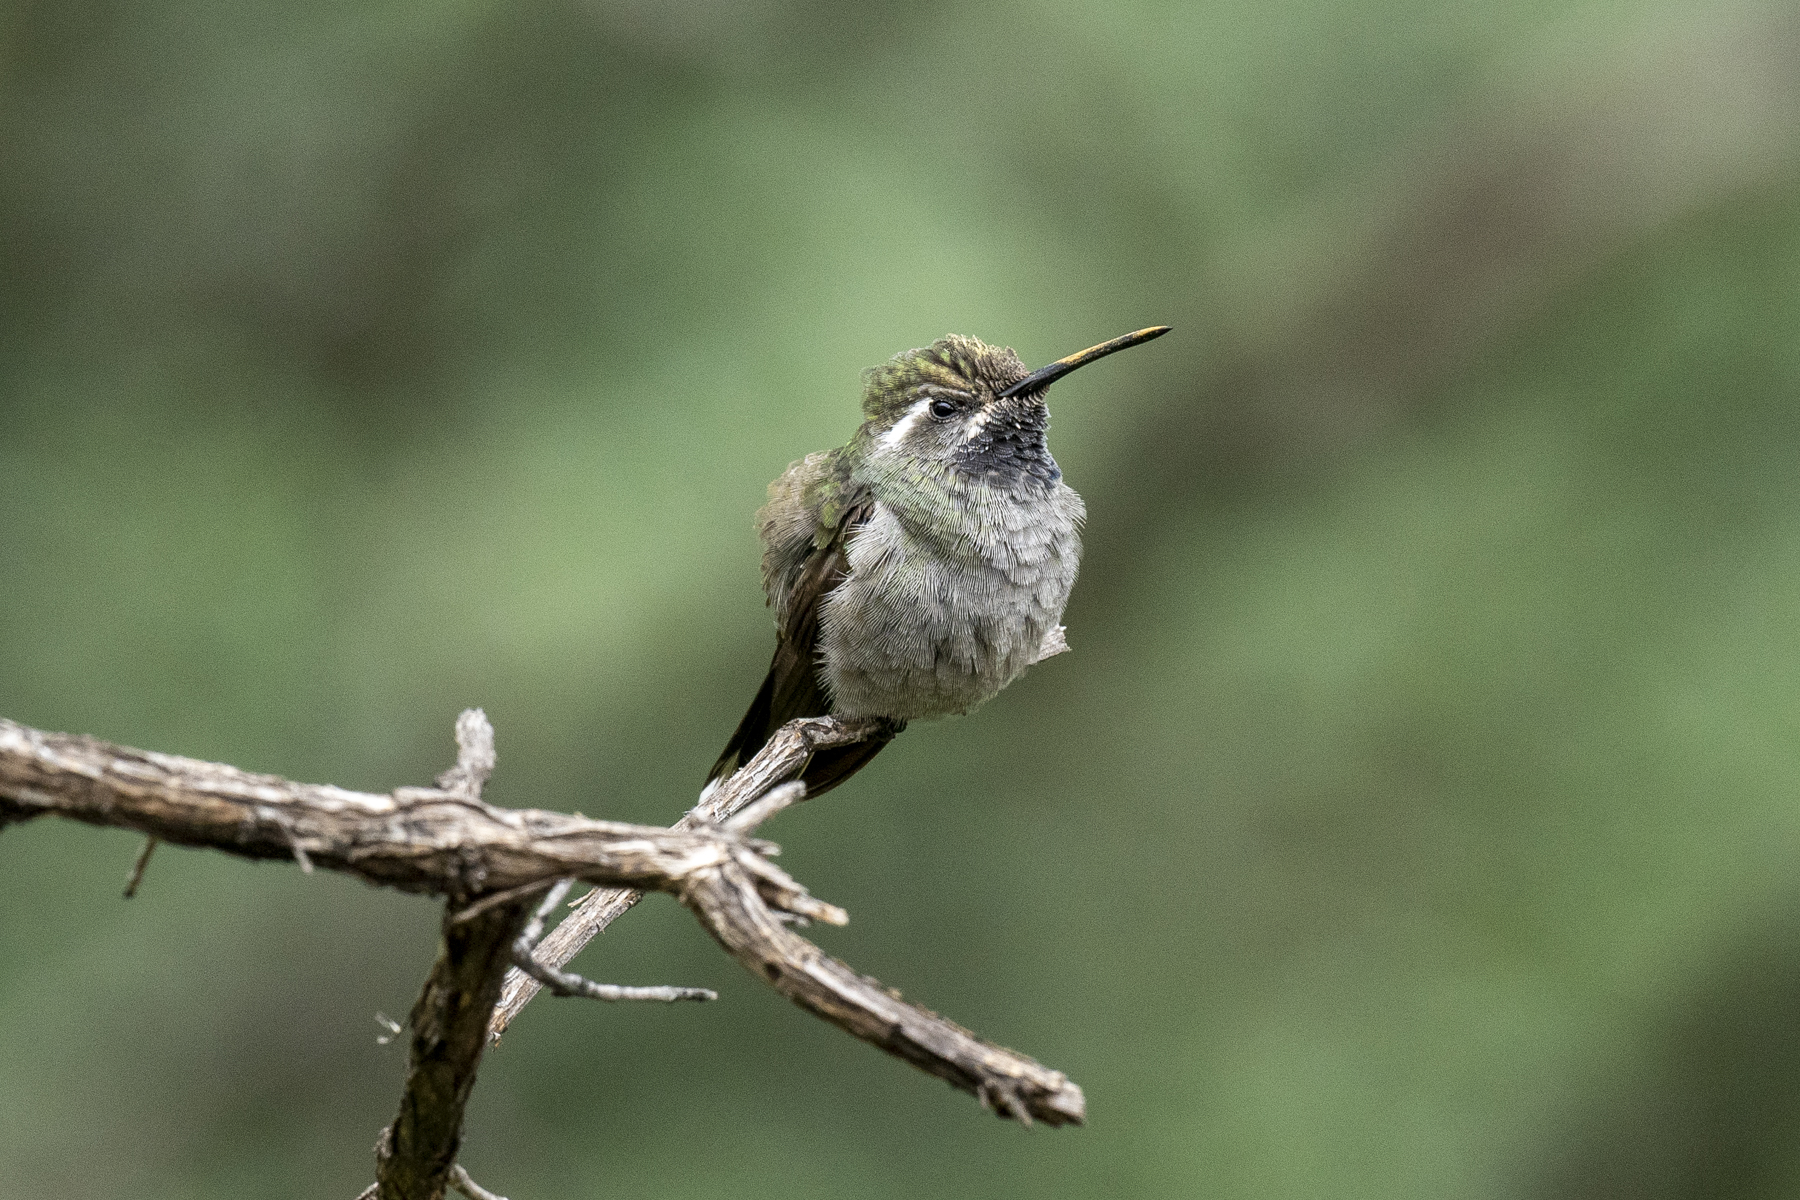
901,428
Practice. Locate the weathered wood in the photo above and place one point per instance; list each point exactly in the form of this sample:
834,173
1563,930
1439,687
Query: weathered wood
725,900
492,864
780,759
417,839
414,1157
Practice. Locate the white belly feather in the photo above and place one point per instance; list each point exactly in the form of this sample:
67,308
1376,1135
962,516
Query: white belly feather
927,625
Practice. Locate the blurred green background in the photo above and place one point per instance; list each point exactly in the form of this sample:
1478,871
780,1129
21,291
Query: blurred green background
1419,813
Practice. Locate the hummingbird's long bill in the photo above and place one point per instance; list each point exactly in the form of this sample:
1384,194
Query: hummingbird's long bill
1043,377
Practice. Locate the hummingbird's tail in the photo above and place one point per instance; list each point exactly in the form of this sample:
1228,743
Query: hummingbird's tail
825,769
828,768
752,732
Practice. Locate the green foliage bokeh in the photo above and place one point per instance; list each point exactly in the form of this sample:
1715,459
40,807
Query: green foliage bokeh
1418,813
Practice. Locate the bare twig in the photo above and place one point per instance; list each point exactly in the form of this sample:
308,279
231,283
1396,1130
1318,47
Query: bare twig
784,756
764,807
137,868
567,983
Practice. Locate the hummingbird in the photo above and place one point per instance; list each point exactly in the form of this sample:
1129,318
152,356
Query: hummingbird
917,571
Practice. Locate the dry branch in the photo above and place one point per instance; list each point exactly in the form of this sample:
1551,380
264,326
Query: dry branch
447,841
1010,1084
416,1154
415,1157
783,757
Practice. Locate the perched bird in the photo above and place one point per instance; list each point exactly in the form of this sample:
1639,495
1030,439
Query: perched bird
920,569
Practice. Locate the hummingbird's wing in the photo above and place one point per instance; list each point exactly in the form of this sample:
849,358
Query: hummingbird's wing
816,501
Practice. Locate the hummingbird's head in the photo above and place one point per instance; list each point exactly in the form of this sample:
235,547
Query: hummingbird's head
971,406
938,404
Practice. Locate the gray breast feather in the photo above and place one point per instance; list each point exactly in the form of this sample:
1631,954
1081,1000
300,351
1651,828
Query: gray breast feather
929,625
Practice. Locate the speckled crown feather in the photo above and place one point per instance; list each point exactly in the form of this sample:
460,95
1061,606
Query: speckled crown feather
954,363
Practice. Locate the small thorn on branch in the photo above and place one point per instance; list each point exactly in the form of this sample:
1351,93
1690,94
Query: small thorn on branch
474,755
286,826
567,983
459,1179
137,868
1003,1102
488,903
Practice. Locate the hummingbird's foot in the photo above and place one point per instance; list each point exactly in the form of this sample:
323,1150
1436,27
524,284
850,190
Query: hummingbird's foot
860,729
567,983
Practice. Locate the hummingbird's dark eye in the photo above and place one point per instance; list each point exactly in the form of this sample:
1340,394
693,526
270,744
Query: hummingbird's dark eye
943,410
